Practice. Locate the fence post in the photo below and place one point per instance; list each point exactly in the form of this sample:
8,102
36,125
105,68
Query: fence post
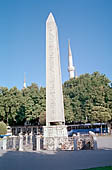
31,135
26,135
38,142
14,142
5,143
21,142
75,143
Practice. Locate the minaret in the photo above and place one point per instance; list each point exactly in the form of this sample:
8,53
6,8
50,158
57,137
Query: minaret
24,85
71,68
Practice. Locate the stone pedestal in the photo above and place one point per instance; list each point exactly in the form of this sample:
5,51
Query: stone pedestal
55,137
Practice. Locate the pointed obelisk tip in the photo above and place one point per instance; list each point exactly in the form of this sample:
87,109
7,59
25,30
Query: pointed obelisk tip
50,17
50,14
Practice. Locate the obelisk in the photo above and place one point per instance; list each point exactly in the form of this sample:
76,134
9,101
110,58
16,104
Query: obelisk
55,120
54,95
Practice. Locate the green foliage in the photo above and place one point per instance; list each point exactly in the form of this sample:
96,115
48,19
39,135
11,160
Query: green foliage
18,107
100,168
86,99
42,118
100,114
3,128
34,102
11,103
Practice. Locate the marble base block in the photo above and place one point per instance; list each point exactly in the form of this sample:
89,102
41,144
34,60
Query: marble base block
55,137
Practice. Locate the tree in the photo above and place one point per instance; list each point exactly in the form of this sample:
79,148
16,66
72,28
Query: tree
83,94
100,114
16,114
86,99
34,102
42,118
4,104
3,128
11,106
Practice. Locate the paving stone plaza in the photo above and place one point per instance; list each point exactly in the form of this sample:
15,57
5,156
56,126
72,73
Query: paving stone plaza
61,160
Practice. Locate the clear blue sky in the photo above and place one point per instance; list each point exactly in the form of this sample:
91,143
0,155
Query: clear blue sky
87,23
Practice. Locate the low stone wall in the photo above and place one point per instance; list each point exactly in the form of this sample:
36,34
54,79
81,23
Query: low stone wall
85,142
36,142
82,142
21,143
54,143
12,143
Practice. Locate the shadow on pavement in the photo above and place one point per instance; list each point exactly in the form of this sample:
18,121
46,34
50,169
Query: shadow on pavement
62,160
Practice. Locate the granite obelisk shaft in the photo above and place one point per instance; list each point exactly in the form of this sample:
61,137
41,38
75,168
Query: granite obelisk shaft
54,94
